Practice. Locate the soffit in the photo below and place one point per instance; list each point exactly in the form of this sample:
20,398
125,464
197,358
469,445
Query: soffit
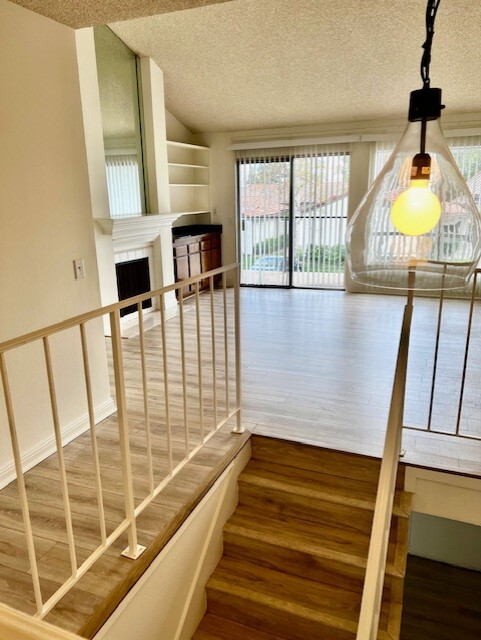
251,64
87,13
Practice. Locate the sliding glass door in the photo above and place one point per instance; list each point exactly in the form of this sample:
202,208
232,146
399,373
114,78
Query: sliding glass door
292,216
264,208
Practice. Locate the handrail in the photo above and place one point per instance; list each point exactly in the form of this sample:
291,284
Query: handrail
378,546
116,306
18,625
223,329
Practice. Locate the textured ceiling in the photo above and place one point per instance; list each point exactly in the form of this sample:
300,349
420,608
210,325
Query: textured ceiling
251,64
87,13
266,63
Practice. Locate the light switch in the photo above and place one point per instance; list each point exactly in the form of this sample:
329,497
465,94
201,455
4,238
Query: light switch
79,267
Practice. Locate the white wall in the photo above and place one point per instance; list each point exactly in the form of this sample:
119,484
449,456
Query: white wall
222,192
94,143
46,222
446,519
444,540
176,131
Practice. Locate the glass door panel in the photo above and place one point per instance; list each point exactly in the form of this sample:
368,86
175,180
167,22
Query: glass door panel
320,200
264,208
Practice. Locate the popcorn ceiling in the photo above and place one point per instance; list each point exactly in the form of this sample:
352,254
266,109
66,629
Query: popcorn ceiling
255,64
87,13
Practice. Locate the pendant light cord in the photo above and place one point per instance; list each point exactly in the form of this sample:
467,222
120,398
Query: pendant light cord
431,11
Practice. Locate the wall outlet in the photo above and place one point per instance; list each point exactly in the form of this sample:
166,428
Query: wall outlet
79,267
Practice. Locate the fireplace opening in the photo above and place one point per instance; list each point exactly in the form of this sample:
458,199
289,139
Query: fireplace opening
133,278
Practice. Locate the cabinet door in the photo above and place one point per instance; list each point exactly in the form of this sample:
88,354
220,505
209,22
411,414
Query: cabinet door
216,261
206,255
182,271
195,265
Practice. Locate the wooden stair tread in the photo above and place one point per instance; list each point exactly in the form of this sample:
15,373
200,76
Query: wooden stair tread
281,498
351,487
314,539
217,628
317,485
277,590
294,454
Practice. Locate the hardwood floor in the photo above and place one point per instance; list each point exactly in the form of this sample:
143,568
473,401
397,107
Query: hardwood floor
440,602
317,368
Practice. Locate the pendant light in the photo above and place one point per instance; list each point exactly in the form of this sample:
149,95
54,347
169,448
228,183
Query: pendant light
419,215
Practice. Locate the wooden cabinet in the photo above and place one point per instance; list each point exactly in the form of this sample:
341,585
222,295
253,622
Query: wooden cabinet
197,249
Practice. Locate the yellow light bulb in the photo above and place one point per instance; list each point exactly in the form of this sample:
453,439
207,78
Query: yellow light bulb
416,210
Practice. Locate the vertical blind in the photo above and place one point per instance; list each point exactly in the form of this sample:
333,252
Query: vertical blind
293,209
263,201
123,183
466,151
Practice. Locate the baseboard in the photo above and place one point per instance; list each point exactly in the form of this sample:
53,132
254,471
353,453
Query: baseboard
42,450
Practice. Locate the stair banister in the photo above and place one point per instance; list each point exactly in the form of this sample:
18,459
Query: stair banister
221,329
378,547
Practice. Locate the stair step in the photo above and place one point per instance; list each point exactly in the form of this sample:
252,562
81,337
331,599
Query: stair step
215,628
342,486
330,487
302,456
292,530
282,604
324,555
288,499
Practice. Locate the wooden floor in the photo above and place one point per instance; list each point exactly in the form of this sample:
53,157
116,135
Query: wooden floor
440,602
317,368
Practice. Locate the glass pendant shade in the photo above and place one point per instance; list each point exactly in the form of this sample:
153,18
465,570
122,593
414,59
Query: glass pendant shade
429,228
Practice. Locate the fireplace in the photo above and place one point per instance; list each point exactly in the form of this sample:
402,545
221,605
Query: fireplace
133,278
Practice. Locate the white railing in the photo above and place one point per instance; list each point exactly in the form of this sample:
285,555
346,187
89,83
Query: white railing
15,625
377,556
447,417
191,403
381,527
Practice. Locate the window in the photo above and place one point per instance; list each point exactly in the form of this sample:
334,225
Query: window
466,151
123,185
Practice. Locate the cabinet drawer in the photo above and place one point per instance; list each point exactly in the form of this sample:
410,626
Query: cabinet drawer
180,250
194,247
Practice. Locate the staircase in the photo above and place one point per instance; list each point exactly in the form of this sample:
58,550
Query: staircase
295,549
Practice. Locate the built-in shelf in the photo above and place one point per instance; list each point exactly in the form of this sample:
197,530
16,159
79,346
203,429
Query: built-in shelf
186,145
189,184
188,166
190,213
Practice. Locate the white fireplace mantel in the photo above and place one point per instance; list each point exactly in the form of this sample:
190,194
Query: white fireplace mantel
130,233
